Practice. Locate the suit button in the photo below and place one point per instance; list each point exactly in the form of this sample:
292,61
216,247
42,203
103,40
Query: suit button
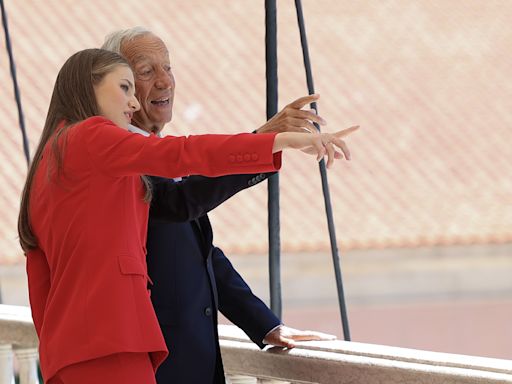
254,156
247,157
239,158
208,311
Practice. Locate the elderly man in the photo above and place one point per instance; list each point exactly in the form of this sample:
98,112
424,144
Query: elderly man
192,278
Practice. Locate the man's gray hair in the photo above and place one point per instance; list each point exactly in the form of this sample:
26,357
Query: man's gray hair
115,40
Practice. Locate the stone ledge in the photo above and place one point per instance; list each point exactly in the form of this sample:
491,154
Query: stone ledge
349,362
16,327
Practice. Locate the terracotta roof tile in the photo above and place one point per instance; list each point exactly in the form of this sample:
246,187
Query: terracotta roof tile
427,83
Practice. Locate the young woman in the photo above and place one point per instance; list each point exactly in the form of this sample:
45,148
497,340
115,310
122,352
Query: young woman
83,219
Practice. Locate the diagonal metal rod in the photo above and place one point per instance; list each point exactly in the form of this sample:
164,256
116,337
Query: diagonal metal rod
323,174
15,83
274,238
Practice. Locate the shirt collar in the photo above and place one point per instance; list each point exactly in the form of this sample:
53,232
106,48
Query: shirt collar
134,129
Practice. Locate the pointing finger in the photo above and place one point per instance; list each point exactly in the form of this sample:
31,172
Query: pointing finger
302,101
346,132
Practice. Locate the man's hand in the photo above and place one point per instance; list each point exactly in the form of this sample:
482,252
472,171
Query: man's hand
293,118
284,336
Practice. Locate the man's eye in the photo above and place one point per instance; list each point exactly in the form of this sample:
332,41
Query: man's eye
167,68
145,72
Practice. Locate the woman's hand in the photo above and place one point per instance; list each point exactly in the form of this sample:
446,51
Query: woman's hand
319,144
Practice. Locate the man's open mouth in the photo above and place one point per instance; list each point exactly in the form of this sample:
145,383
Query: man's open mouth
161,102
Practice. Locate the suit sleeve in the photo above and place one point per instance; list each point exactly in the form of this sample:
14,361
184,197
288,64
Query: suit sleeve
238,303
195,196
38,273
117,152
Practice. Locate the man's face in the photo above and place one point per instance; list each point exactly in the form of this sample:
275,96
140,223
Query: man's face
154,81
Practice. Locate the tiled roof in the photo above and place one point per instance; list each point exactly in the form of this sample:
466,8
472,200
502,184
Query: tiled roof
427,81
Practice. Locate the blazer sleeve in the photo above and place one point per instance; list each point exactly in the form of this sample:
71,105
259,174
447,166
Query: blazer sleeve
38,273
195,196
117,152
238,303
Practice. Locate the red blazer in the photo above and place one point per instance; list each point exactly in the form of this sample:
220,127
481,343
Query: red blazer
88,278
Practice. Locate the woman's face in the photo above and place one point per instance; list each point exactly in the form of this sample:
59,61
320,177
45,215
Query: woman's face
115,96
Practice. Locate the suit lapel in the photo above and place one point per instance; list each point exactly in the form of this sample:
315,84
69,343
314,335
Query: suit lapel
201,239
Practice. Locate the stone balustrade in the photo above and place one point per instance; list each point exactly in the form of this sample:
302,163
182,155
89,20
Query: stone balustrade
350,362
18,343
327,362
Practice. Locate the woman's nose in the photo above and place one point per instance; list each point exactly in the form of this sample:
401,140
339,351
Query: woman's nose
134,104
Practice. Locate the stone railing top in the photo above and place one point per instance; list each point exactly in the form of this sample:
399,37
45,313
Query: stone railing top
373,356
16,327
320,362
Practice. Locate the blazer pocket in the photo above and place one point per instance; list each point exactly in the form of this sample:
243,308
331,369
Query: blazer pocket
131,266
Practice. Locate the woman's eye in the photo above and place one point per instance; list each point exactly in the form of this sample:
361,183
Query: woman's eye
124,87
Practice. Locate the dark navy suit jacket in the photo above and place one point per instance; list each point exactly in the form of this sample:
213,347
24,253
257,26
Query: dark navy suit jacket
192,278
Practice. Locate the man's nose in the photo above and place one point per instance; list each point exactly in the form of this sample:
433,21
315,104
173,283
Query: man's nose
164,80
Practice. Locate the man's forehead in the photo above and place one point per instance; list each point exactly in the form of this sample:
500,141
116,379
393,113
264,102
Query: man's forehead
145,48
146,56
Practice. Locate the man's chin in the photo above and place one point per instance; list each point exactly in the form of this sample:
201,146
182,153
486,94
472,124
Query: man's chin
154,125
159,122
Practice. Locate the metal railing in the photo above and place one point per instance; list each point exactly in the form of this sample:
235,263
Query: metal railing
327,362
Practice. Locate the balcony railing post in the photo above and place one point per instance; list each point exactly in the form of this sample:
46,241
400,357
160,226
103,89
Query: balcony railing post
27,362
6,364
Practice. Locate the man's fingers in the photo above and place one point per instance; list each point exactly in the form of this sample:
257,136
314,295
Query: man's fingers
302,101
287,342
308,115
303,125
311,335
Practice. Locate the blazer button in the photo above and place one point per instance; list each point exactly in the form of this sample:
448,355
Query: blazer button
239,158
247,157
208,311
254,156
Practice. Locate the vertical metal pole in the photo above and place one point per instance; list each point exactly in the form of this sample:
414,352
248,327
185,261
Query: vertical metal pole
15,82
274,238
325,183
